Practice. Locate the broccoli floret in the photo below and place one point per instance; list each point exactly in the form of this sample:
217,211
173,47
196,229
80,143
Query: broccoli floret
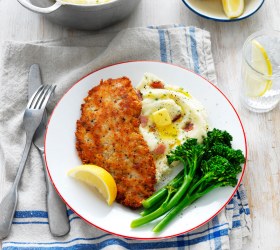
235,157
190,154
217,136
207,165
221,170
179,154
216,172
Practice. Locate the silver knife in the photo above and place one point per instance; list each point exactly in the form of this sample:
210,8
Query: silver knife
57,213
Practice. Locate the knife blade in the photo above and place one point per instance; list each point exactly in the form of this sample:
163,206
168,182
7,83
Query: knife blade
57,212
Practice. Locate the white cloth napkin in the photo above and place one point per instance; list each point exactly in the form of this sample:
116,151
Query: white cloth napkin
63,62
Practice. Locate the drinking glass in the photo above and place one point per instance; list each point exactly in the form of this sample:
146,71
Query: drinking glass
260,87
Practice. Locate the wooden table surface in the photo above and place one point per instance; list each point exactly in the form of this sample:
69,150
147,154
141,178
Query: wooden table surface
262,176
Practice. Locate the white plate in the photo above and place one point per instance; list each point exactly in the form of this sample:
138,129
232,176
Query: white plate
61,154
213,9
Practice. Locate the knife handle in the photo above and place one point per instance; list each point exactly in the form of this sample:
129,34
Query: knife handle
57,212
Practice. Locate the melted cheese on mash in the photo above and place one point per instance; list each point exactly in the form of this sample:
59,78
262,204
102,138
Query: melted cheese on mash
188,116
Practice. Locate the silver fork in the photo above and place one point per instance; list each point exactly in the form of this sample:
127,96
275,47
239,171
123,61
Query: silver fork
31,119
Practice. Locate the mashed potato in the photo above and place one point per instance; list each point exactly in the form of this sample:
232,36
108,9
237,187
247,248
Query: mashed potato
169,116
84,1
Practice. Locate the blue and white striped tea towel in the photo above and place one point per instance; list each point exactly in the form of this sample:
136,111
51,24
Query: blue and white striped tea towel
63,62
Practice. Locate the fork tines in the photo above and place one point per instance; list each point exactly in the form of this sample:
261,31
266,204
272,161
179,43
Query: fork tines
40,98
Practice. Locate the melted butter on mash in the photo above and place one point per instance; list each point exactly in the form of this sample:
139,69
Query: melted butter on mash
169,116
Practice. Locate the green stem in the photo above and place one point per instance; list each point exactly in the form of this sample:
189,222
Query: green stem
188,200
163,209
161,193
197,184
151,209
163,202
174,212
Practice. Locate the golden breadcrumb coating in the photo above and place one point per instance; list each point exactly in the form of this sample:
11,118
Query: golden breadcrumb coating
108,135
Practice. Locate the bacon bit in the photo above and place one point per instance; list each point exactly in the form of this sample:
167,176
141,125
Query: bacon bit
152,128
139,94
188,127
160,149
157,85
177,117
143,120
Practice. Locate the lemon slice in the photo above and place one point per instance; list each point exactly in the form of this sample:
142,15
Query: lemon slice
233,8
260,59
97,177
257,86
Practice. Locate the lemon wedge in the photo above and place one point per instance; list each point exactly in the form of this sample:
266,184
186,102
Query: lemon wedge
256,85
233,8
97,177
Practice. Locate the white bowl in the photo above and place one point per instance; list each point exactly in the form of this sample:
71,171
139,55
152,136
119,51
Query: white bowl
213,9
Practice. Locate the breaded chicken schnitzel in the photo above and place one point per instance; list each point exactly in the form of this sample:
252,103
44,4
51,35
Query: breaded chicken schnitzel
108,135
